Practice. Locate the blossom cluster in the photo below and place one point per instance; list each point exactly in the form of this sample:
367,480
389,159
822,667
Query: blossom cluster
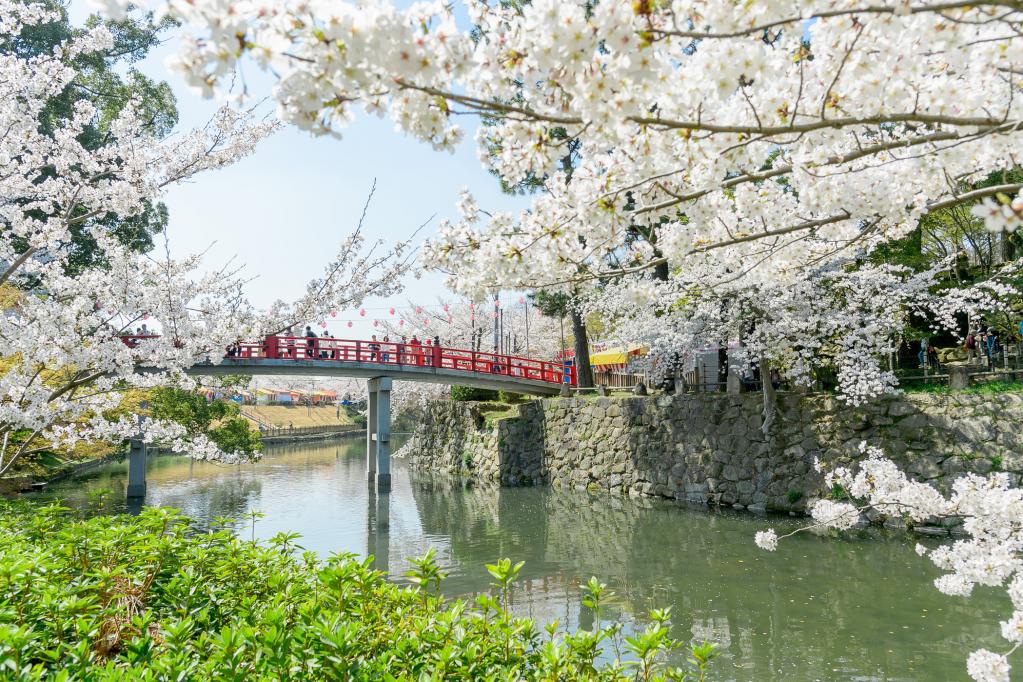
991,553
1005,215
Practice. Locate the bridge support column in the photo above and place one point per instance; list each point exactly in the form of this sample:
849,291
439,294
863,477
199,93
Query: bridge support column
371,432
137,469
378,431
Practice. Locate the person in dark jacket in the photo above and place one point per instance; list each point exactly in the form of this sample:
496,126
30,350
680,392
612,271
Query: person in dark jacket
311,343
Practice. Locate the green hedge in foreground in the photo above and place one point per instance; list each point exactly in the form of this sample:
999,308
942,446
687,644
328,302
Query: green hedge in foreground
150,597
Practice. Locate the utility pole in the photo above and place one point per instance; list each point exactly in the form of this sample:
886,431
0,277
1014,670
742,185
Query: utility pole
527,327
497,331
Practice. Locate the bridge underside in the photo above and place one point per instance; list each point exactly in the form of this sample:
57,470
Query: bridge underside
372,370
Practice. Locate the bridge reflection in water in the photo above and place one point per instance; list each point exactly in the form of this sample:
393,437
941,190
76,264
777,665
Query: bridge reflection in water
818,609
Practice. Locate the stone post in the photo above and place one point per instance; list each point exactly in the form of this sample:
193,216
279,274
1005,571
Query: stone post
137,469
958,377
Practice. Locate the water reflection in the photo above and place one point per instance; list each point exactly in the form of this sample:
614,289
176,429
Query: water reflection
816,610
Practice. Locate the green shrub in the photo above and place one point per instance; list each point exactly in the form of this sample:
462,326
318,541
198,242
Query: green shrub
794,496
470,394
151,597
219,420
359,420
510,398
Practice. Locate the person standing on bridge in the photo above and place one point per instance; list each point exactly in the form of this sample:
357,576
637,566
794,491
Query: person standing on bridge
373,347
417,350
311,343
402,358
436,351
289,351
384,355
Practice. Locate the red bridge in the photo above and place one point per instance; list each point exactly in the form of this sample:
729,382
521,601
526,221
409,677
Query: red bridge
325,356
379,362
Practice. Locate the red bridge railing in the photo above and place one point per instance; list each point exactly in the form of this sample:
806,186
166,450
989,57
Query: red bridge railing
394,353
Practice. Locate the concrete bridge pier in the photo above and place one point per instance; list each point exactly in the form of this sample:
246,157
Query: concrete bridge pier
378,434
137,469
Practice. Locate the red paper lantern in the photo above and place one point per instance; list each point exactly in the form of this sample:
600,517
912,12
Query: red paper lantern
445,307
426,323
419,311
333,313
391,311
362,312
349,325
401,323
376,322
472,306
145,316
522,300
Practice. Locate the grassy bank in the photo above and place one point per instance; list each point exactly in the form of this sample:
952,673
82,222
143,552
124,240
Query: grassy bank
297,416
148,597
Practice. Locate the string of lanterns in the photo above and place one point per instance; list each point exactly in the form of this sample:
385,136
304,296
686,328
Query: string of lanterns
392,311
419,311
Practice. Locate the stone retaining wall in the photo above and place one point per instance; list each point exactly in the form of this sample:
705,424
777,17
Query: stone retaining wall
711,449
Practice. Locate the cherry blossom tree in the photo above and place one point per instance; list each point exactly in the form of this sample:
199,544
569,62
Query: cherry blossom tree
64,363
839,317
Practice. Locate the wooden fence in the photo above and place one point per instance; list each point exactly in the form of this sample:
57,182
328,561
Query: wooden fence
304,431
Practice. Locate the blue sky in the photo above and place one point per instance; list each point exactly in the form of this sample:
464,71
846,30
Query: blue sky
283,210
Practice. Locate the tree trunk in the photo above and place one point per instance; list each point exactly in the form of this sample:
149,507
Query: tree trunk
1006,247
583,374
770,400
661,271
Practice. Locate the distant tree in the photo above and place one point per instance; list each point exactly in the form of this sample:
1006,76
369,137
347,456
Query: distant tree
107,80
217,420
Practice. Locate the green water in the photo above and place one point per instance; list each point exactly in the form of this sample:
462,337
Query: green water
818,609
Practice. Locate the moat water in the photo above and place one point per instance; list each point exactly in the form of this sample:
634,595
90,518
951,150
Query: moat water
817,609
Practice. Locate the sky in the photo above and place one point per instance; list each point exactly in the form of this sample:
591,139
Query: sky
283,211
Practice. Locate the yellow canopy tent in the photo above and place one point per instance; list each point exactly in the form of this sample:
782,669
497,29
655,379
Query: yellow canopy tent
616,356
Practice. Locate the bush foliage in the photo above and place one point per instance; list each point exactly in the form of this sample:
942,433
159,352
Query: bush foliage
151,597
470,394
